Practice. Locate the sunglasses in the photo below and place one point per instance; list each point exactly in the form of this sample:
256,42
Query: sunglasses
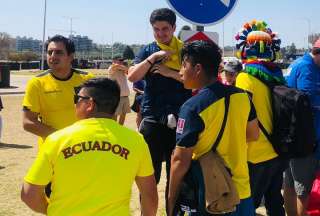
76,98
57,52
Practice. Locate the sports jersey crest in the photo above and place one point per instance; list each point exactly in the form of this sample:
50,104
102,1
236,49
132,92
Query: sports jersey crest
180,125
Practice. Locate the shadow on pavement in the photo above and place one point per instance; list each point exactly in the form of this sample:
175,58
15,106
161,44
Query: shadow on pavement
9,87
6,145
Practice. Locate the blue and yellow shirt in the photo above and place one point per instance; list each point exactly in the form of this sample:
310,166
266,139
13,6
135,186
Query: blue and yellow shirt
200,121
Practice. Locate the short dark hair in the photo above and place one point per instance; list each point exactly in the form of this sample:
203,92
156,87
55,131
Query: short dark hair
208,54
105,92
68,43
163,14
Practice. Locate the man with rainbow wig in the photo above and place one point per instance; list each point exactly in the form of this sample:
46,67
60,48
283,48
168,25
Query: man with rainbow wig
257,47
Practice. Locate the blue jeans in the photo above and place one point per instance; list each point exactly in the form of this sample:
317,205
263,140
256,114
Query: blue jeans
245,208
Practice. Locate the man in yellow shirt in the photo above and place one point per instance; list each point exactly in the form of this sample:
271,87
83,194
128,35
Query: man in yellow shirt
259,48
48,102
200,120
93,163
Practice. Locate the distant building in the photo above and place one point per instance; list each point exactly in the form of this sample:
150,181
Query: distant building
82,43
28,44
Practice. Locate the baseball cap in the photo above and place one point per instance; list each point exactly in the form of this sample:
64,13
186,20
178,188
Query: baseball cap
317,43
233,66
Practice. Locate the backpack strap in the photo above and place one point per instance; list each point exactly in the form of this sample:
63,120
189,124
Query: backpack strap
264,131
226,105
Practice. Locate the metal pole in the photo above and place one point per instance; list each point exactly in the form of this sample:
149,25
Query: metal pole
232,38
102,52
71,27
223,38
308,32
112,46
44,34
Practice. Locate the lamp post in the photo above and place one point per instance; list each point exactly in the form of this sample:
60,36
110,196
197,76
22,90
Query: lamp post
44,33
112,46
71,25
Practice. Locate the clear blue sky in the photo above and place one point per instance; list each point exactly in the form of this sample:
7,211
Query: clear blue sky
107,21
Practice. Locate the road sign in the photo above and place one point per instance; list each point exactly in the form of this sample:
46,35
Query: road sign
203,12
188,36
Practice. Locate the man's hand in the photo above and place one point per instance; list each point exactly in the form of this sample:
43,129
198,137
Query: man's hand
161,55
167,72
138,71
118,67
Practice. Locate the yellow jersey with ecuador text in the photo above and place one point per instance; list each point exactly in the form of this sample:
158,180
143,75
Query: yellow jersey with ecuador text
260,150
200,120
52,98
92,165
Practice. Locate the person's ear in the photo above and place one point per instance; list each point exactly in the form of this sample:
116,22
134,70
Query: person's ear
198,69
91,106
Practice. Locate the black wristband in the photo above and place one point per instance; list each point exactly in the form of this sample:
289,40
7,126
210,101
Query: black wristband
149,62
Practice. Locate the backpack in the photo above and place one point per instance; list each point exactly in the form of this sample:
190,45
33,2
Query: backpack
293,133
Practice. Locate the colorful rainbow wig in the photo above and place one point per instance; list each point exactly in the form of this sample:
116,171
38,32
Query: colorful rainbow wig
256,42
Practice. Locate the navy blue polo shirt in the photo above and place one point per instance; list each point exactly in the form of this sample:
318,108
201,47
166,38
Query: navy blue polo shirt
162,95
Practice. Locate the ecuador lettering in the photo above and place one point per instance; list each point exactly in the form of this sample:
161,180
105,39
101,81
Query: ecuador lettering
95,146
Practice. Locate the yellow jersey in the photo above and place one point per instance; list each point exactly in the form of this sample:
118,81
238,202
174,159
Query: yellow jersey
92,165
260,150
52,98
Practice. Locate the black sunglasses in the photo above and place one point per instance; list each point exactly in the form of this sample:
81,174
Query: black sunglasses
76,98
57,52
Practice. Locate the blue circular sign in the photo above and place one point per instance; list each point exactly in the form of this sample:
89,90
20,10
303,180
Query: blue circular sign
203,12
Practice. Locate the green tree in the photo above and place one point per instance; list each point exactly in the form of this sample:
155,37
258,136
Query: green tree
14,56
30,56
292,49
23,56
